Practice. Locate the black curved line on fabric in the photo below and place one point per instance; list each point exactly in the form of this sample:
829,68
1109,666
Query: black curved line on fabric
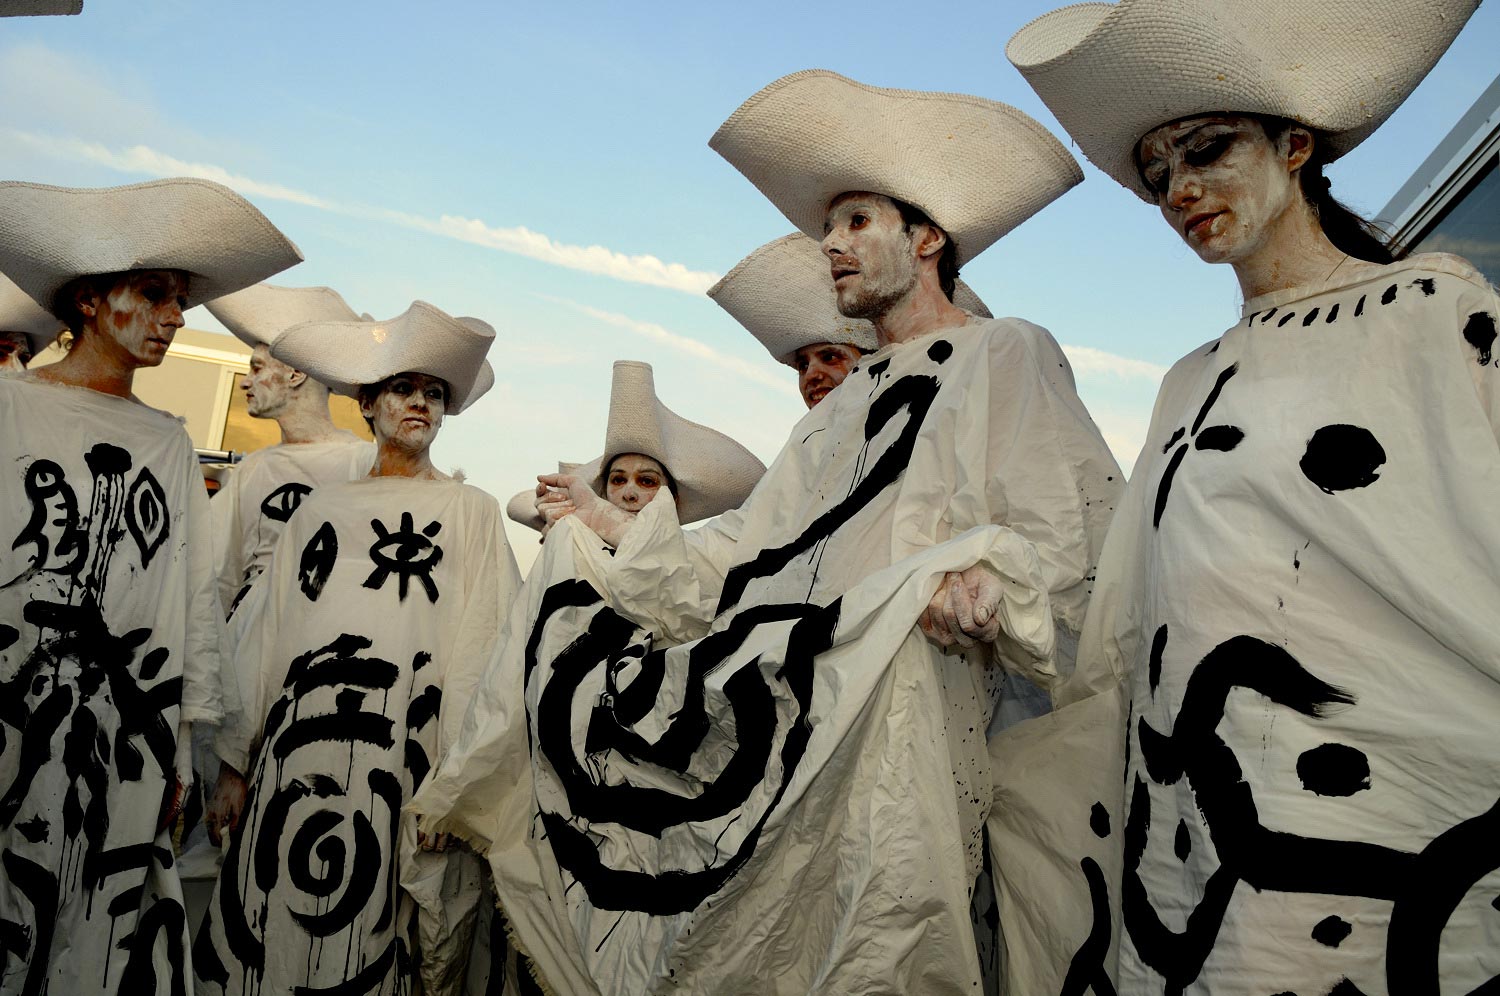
39,886
1164,487
1213,395
280,505
1445,870
316,670
387,787
363,876
1086,970
267,845
35,749
348,724
207,965
424,708
631,704
311,838
246,948
165,916
362,983
1177,957
575,594
915,394
672,892
317,561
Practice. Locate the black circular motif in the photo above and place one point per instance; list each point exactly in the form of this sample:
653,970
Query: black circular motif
1334,770
1342,458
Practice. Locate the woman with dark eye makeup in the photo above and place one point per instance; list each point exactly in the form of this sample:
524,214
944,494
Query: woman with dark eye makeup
380,604
1301,581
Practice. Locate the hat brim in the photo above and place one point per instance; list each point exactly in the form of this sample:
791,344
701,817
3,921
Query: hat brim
1113,72
349,354
19,313
52,235
977,167
258,314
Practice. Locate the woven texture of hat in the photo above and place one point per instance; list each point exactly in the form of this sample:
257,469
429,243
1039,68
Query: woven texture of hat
422,339
713,472
1113,72
19,313
977,167
50,235
783,294
38,8
257,315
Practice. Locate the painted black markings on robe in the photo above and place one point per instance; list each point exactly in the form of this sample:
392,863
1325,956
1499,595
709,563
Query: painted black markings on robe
1345,988
1087,970
146,515
1479,332
1153,663
1216,437
1341,458
280,505
54,531
1099,820
164,917
318,558
1182,843
1334,770
405,553
1331,931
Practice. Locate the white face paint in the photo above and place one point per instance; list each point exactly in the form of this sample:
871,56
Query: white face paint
408,411
823,366
632,481
872,256
268,385
15,352
141,314
1221,183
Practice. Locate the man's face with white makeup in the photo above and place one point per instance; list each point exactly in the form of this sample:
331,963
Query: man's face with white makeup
1220,181
872,256
139,316
15,352
821,367
268,385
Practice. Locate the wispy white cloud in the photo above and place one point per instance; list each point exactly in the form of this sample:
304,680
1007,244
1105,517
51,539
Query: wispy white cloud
1090,362
517,240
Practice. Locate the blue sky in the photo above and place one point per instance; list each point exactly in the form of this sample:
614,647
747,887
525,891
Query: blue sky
545,167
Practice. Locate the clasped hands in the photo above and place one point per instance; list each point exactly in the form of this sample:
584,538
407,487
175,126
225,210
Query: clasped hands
561,495
965,610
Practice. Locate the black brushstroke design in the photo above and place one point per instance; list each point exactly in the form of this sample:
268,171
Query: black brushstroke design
1342,458
1153,662
316,563
1334,770
1331,931
1087,969
166,916
146,515
1389,297
1099,820
1479,332
1182,844
1309,318
410,554
1347,988
39,886
1427,285
280,505
1216,437
55,530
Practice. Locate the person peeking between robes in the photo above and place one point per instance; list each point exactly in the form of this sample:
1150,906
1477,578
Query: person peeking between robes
921,531
782,294
111,633
26,328
1300,582
382,600
265,489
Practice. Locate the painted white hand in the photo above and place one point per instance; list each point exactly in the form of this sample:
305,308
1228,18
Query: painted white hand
964,611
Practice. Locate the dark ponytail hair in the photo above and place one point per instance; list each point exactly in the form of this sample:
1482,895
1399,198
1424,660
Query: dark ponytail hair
1348,232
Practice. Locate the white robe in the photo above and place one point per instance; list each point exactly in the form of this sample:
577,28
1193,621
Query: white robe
1302,585
382,602
842,861
110,636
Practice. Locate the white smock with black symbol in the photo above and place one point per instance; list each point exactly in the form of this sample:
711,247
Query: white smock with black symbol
110,636
792,799
382,602
1302,587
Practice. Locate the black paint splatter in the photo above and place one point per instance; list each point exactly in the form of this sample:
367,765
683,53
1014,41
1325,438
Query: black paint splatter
939,351
1332,931
1427,284
1479,332
1334,770
1389,296
1341,458
1099,820
1309,318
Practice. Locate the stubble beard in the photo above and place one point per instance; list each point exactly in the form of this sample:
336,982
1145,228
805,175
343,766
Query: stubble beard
873,301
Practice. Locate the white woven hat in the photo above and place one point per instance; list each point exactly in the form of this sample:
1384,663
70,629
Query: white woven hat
1111,72
522,508
257,315
39,8
19,313
782,293
422,339
50,235
978,168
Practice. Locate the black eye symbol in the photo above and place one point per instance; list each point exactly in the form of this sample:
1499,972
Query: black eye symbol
406,553
282,503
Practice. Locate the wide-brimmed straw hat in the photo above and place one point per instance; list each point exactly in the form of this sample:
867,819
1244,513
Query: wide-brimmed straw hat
50,235
19,313
978,168
1111,72
257,315
782,293
423,339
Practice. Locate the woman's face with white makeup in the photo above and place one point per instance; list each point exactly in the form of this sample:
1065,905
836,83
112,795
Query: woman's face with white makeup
408,411
1221,182
632,481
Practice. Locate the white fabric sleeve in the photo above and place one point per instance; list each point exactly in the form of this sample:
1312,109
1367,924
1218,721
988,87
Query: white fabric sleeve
205,646
228,544
255,625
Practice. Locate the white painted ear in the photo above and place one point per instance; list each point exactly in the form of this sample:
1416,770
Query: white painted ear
933,242
296,378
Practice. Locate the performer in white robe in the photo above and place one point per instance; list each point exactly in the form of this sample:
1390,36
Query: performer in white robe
382,603
1300,582
110,630
781,294
26,328
792,800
